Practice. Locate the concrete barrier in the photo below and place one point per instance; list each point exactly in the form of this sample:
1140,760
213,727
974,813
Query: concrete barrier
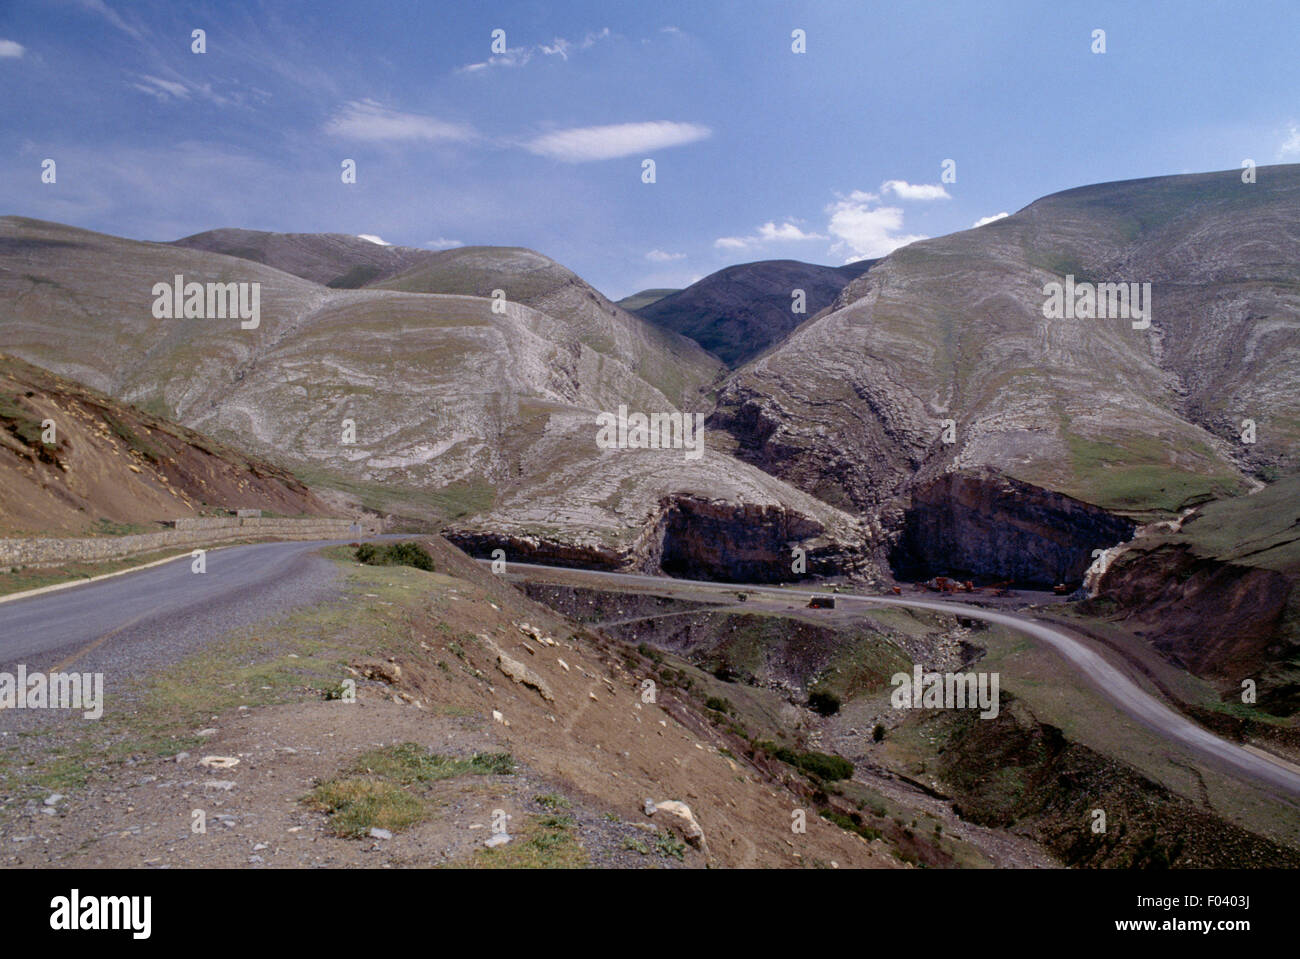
188,532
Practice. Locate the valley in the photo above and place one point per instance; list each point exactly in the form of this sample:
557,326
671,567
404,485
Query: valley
767,514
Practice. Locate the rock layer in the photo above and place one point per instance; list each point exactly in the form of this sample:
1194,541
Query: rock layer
984,525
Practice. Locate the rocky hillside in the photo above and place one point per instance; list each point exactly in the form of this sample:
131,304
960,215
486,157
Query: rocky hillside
418,396
111,465
1218,594
740,311
672,364
941,356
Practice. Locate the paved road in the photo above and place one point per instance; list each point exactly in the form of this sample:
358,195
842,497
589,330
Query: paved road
1131,698
163,612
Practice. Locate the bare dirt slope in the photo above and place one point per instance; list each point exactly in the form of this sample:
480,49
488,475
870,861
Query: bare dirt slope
454,661
113,464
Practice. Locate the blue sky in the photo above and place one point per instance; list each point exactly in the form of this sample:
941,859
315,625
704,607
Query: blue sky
760,152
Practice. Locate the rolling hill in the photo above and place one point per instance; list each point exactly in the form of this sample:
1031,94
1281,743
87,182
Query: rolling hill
947,339
417,396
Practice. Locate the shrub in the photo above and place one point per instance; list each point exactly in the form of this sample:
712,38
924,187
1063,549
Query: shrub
668,845
395,554
823,766
827,704
850,823
718,704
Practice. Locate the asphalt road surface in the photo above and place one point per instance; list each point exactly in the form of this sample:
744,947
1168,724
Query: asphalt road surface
162,613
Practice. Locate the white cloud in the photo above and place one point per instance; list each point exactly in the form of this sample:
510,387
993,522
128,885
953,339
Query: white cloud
512,57
862,230
368,120
769,232
581,144
1291,146
443,244
165,91
660,256
373,239
521,56
10,49
162,90
914,191
989,219
104,10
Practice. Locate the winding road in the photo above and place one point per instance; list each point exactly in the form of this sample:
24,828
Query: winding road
140,619
1131,698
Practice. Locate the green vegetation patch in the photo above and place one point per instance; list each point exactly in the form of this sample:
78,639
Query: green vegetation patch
357,805
409,763
542,842
395,554
823,766
20,422
374,790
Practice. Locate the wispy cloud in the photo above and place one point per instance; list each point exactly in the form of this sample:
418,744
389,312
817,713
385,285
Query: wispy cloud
521,56
864,230
769,232
160,89
102,9
11,49
369,120
915,191
442,243
1291,145
989,219
583,144
661,256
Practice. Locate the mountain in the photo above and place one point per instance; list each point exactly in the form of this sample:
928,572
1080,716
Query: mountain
336,260
110,463
672,364
947,340
644,298
740,311
423,395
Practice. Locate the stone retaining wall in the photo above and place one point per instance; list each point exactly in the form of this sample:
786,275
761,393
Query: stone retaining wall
189,532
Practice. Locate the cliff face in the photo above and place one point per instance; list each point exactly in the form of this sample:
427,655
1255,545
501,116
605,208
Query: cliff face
698,537
989,526
745,543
